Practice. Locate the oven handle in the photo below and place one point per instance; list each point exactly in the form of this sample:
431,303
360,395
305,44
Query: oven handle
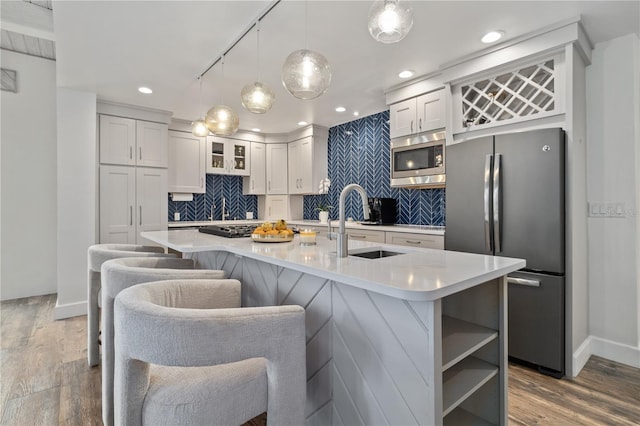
523,281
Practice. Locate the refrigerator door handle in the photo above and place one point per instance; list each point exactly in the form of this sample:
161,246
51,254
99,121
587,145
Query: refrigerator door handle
523,281
487,201
497,194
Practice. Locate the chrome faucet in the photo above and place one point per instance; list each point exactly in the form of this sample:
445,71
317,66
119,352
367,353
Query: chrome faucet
342,248
225,214
213,206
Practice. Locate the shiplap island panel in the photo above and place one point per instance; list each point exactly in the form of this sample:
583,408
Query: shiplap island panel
416,338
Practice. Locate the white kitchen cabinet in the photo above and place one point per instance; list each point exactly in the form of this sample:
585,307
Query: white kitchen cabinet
415,240
187,163
420,114
365,235
256,182
275,207
130,142
307,163
132,200
276,168
228,156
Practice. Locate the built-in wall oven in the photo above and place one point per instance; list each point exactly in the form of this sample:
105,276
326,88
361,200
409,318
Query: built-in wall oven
418,160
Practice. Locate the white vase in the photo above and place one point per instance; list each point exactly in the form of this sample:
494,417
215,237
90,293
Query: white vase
323,216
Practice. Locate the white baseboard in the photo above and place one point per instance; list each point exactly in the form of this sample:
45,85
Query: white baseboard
580,357
614,351
70,310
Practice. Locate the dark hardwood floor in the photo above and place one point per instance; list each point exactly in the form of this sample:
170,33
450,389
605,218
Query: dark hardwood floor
45,379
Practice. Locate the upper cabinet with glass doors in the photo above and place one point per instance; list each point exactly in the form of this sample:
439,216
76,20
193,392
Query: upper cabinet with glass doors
228,156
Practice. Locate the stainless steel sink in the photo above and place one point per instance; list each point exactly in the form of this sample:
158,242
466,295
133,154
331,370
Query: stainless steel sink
375,254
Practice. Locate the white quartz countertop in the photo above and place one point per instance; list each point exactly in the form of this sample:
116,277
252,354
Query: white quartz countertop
416,274
413,229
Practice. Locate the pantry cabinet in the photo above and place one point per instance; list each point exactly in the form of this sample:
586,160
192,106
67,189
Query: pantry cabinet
276,168
132,200
420,114
228,156
130,142
256,182
187,163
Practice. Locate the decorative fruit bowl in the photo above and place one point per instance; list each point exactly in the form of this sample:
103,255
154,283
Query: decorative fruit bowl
275,238
272,233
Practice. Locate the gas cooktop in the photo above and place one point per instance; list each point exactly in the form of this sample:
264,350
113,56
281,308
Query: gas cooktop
228,231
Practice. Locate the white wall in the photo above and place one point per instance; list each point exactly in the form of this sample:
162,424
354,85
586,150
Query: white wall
613,117
77,170
28,182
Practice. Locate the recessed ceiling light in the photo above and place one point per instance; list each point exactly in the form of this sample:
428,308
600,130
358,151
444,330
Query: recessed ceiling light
341,109
145,90
356,113
492,36
302,123
255,129
406,74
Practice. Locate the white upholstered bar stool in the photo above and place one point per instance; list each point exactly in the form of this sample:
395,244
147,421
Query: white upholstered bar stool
187,354
96,256
119,274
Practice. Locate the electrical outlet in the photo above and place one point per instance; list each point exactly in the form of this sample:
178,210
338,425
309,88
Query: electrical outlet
176,216
249,215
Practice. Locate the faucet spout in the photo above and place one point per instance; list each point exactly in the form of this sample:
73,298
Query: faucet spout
343,242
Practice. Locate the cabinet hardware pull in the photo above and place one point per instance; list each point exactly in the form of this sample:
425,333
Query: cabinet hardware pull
130,153
269,186
523,281
140,214
412,242
420,124
140,149
411,126
130,215
362,237
201,182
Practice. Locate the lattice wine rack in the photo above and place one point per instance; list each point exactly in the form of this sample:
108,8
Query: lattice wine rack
520,93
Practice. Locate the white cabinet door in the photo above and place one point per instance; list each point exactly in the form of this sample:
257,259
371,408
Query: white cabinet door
431,111
277,207
238,157
117,204
228,156
301,166
256,182
186,163
151,197
117,140
402,118
277,168
152,144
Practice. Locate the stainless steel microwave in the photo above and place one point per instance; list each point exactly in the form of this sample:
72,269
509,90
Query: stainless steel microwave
418,161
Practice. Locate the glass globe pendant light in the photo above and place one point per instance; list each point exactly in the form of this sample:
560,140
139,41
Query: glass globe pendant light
257,97
306,74
390,20
199,127
221,120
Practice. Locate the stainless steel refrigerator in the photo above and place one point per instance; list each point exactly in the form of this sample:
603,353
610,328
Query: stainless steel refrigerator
505,197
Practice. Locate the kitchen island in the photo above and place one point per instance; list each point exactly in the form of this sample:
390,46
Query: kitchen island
414,338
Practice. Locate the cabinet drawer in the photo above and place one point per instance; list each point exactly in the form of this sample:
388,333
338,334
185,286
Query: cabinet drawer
415,240
361,235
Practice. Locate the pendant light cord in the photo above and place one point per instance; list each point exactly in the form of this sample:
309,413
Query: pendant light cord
258,47
306,24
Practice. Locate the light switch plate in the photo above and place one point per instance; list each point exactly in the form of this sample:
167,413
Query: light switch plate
176,216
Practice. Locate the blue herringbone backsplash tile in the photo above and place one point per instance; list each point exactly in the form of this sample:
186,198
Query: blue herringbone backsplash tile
218,186
359,153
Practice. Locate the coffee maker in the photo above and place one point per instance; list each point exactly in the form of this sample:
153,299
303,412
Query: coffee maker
382,211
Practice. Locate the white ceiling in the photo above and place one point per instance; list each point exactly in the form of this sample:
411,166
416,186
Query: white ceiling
113,47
